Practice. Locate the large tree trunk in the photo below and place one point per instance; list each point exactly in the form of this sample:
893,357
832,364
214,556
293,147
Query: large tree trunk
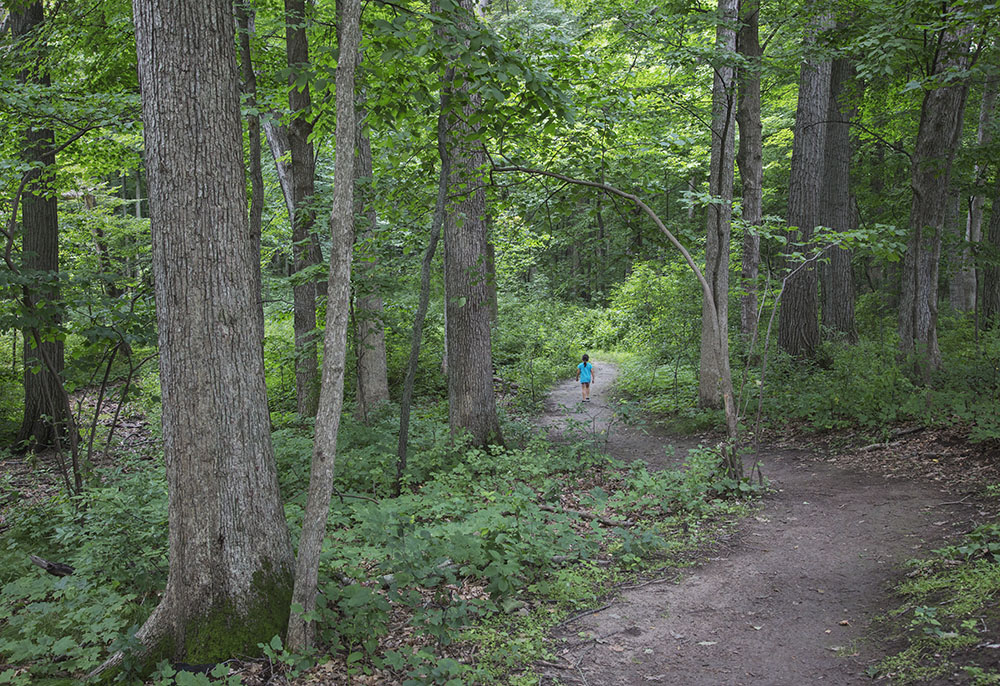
798,320
962,288
303,173
471,400
300,631
750,158
373,381
720,186
46,418
837,207
937,140
230,576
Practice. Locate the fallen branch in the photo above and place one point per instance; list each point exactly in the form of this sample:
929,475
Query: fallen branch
586,515
53,568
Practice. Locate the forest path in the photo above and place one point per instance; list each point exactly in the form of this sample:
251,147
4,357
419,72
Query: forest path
786,601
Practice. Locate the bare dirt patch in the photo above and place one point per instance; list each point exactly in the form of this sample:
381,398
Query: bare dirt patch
791,598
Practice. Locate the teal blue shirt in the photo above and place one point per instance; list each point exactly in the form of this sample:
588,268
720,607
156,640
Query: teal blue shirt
585,371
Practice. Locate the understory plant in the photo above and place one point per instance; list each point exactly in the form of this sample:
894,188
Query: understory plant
484,546
949,609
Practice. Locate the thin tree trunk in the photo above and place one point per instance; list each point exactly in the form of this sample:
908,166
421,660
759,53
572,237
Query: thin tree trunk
373,381
941,117
798,320
471,400
230,562
44,421
437,222
990,307
715,348
750,158
837,206
244,22
300,631
303,173
962,288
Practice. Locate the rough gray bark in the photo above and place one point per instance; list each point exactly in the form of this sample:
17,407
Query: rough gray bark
437,222
300,632
750,158
940,128
303,174
962,287
837,206
471,400
230,575
798,319
990,306
244,27
719,213
45,420
373,375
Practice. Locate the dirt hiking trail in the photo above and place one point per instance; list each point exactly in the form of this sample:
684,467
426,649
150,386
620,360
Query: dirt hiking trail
787,600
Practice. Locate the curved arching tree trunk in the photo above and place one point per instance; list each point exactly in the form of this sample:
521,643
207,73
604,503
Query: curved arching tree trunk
230,563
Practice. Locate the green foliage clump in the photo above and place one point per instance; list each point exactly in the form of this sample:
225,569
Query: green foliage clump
949,604
115,538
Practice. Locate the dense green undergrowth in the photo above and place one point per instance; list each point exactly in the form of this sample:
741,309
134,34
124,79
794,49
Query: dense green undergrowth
946,623
484,551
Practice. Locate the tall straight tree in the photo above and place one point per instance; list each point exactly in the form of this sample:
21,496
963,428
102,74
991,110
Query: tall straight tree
373,377
45,415
230,563
719,212
962,287
300,629
750,157
303,215
798,320
837,205
468,279
941,116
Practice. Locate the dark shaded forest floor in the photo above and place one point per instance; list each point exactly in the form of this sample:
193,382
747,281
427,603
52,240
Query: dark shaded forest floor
791,597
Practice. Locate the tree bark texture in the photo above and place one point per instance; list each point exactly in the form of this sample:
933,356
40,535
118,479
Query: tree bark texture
300,632
750,158
471,400
837,206
244,27
416,338
990,307
373,375
798,318
940,128
45,418
719,213
303,218
230,562
962,287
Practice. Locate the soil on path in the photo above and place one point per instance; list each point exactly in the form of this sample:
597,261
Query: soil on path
787,601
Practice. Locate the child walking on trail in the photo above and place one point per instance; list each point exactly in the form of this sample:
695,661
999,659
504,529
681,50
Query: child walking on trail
585,375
